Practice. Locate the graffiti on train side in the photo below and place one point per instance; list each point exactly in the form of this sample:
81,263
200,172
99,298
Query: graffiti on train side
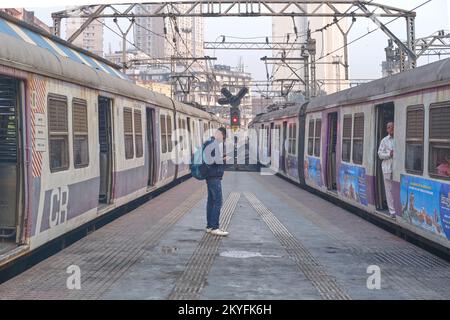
313,171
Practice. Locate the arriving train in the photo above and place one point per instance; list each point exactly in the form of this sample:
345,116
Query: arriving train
330,144
77,138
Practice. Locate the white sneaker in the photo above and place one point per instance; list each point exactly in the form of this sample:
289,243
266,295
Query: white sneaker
219,232
208,230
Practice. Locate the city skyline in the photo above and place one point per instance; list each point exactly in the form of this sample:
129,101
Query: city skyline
430,18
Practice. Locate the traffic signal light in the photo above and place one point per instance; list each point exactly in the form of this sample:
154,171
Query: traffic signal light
235,117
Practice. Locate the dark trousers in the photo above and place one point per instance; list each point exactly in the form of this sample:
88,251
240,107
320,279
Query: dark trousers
214,203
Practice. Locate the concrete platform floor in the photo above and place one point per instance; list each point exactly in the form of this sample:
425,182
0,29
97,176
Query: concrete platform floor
284,243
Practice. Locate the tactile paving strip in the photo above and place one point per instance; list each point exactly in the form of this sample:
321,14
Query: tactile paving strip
102,278
102,261
403,265
327,286
192,281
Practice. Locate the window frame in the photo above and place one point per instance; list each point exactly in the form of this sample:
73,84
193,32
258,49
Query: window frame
128,133
277,128
414,108
347,139
169,135
361,139
75,134
292,138
163,133
317,137
311,136
138,133
436,105
62,98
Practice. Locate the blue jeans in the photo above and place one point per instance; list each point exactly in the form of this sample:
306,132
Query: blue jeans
214,203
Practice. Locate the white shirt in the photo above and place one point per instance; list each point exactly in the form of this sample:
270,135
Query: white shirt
384,152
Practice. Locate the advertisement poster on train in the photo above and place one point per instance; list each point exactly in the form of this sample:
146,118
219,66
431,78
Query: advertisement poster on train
352,183
445,209
313,171
424,204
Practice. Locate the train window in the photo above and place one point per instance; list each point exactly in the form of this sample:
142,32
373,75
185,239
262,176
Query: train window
184,139
317,137
414,139
263,137
58,132
138,133
347,138
358,138
439,157
80,133
275,135
162,121
292,138
181,127
311,137
169,133
128,132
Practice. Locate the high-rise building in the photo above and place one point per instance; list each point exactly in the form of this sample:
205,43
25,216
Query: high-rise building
27,16
284,30
91,39
149,35
330,72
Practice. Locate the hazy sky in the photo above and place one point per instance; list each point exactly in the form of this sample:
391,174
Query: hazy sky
365,55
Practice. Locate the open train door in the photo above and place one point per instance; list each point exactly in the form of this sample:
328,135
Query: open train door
150,114
331,160
105,152
283,147
384,114
11,169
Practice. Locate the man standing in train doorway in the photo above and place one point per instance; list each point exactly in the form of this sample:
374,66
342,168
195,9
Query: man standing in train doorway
214,158
386,153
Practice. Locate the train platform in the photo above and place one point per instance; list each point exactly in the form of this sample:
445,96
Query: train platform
284,243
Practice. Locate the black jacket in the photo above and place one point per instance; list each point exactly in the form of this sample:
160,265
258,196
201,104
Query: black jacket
215,170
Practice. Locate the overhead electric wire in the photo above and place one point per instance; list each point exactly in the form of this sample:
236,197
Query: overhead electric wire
364,35
310,33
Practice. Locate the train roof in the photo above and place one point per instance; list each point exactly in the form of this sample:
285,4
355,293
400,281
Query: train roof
430,75
35,56
56,46
427,76
287,112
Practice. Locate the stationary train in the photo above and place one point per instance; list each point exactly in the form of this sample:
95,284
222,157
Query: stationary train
78,139
330,144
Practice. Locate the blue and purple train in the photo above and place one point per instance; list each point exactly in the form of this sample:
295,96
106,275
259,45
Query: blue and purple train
330,144
78,139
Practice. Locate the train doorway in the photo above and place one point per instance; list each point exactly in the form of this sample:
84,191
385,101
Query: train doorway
150,114
384,114
283,147
105,152
269,139
331,151
11,173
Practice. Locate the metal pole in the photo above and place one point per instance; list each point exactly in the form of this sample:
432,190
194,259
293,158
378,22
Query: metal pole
57,27
345,56
124,52
307,93
312,53
313,76
411,39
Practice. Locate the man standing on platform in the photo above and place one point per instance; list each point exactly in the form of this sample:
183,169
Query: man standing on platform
214,158
386,153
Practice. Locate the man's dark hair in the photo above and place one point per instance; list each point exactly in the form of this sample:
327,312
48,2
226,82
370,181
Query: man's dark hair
224,132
